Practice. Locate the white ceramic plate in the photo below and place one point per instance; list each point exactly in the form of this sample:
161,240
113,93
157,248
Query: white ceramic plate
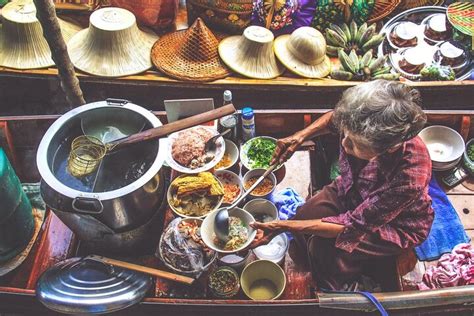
243,152
220,149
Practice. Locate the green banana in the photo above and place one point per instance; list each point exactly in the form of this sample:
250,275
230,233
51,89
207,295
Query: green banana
377,63
365,60
341,75
367,35
354,60
353,29
374,41
346,61
334,38
332,50
382,70
346,31
359,33
339,31
386,76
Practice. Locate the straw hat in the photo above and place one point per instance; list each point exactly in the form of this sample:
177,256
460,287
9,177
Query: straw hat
303,52
189,54
22,45
251,54
112,46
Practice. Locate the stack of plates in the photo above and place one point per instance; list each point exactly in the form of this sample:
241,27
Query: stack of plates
445,146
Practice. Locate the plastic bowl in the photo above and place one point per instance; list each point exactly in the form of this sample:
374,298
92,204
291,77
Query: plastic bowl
444,144
228,177
208,235
468,163
262,208
232,150
263,280
257,173
169,196
275,250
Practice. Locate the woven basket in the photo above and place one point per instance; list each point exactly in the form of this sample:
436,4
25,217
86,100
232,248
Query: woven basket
382,8
410,4
190,54
231,16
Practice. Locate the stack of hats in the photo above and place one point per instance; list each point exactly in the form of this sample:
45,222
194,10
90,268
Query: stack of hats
189,54
304,52
112,46
22,45
251,54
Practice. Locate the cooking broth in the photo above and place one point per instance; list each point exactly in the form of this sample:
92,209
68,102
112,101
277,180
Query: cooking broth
263,289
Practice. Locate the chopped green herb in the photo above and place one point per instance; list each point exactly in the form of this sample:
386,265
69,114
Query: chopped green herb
260,152
470,152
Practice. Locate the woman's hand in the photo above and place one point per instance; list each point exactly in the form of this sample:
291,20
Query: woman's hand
286,147
265,232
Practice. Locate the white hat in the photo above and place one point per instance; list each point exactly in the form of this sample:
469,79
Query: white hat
304,52
112,46
22,45
251,54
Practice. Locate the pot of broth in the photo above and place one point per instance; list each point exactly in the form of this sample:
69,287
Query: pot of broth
125,190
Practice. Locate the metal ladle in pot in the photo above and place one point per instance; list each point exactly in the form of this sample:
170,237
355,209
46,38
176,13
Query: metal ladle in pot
88,151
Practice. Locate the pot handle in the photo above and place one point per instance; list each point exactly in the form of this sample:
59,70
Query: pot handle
85,205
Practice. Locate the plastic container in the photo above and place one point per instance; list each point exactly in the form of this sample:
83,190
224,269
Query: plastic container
275,250
229,121
236,261
248,124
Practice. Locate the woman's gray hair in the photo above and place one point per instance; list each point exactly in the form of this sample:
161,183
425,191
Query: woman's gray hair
383,113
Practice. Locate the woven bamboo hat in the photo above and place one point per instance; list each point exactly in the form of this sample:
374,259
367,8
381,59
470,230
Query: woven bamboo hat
303,52
22,45
251,54
112,46
189,54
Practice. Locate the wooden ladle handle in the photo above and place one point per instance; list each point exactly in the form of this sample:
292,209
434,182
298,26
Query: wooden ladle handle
176,126
146,270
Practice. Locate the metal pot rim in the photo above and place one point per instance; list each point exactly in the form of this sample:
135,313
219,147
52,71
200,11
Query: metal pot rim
48,176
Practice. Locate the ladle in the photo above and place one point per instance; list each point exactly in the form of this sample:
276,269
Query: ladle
221,221
87,151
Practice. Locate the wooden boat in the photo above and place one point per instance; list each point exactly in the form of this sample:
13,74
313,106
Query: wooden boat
21,135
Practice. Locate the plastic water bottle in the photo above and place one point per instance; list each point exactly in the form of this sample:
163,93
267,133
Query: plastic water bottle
248,124
229,121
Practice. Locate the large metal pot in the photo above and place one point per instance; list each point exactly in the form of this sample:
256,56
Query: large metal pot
89,203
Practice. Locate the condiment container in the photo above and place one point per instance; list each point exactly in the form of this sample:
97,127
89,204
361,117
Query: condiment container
229,121
248,124
224,282
257,173
275,250
236,260
263,280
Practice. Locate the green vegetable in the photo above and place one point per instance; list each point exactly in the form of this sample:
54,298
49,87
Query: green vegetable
437,73
470,152
260,152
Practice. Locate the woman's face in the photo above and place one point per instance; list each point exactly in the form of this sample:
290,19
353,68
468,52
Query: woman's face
356,146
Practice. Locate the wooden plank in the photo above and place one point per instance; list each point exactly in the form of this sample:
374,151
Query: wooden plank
464,205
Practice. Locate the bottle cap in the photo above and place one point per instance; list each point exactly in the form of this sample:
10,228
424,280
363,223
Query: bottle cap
227,95
247,113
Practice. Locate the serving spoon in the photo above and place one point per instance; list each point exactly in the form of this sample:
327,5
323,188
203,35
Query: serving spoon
221,221
211,142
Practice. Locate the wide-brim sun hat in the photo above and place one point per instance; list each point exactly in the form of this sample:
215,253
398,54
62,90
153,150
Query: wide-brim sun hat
303,52
22,44
112,46
251,54
190,54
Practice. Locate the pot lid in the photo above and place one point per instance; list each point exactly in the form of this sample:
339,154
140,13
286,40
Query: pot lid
80,286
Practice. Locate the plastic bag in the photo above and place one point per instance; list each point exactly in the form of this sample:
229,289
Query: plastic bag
182,248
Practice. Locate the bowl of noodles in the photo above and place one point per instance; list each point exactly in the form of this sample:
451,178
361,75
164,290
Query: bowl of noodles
240,232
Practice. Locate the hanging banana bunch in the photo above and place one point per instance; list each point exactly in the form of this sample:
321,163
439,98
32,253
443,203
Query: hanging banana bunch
351,37
366,67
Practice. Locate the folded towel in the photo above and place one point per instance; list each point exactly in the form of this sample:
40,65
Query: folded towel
286,201
447,230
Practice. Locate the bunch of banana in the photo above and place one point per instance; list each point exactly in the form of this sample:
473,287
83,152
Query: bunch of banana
351,37
364,67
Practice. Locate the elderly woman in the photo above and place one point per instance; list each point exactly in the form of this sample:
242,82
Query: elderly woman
379,205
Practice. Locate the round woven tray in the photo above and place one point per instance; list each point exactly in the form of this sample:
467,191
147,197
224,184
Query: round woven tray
410,4
382,8
183,56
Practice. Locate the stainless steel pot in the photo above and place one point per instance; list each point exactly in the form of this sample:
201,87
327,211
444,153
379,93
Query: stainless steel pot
100,199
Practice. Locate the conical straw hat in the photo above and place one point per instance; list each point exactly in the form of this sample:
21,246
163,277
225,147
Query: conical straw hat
189,54
304,52
112,46
22,45
251,54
